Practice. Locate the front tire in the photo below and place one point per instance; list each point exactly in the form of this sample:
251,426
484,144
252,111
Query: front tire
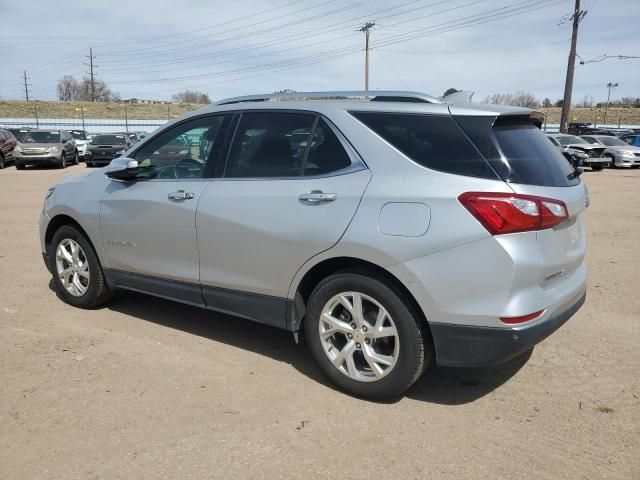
2,164
77,274
63,161
19,166
76,158
613,161
366,336
597,167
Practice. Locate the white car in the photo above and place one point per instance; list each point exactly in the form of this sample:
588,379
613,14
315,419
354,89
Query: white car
82,139
620,152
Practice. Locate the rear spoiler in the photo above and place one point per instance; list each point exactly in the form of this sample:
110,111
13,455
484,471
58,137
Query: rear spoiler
462,96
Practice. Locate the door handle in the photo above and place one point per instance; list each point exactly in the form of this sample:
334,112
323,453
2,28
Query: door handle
317,196
180,195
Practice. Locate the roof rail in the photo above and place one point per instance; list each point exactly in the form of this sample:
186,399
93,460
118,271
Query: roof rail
373,95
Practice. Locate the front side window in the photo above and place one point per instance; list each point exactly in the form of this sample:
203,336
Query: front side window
188,150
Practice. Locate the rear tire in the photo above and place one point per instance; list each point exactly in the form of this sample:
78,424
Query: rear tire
93,290
2,164
367,370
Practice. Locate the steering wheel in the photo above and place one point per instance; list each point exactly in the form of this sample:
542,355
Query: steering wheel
174,171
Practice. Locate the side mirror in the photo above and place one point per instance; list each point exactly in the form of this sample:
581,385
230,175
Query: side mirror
122,168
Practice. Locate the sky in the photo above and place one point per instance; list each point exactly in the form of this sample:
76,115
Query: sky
150,49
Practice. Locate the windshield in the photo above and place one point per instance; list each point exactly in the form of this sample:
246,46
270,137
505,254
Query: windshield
108,140
41,137
19,134
78,134
612,142
569,140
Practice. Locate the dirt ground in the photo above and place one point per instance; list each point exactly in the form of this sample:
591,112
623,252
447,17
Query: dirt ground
145,388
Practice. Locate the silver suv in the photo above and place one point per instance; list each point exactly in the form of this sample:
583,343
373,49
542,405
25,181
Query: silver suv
385,228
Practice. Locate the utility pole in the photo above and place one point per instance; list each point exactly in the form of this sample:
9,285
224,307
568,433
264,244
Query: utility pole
577,16
91,74
365,28
26,85
609,86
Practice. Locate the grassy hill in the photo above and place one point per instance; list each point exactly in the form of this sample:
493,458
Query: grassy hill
22,109
138,111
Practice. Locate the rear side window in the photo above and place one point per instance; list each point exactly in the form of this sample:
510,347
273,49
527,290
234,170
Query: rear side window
282,145
433,141
518,151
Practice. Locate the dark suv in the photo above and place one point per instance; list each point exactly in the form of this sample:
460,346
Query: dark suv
7,146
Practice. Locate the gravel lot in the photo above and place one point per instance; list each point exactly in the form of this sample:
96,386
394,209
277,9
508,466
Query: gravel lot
145,388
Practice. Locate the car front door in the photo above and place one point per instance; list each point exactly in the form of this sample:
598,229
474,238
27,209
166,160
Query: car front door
290,188
148,225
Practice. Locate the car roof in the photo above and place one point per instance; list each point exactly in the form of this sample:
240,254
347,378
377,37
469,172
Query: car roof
382,101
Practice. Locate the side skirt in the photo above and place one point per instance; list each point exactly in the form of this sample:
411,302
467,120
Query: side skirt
250,306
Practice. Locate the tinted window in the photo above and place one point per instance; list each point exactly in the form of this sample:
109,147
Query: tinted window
188,150
109,140
326,153
433,141
519,151
270,144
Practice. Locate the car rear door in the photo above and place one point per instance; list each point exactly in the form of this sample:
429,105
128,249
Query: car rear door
290,188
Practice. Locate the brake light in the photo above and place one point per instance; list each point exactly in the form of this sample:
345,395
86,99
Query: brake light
503,213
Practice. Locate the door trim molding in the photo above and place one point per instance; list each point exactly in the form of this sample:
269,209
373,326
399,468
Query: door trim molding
250,306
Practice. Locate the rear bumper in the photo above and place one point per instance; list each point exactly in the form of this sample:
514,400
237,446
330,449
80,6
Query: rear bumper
477,346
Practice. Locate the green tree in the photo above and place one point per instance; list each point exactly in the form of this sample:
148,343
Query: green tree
546,103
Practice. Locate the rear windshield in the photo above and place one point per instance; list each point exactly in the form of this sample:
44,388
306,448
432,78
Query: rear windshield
433,141
108,140
41,137
518,151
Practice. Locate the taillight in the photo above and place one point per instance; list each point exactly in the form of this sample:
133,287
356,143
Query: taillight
521,319
510,212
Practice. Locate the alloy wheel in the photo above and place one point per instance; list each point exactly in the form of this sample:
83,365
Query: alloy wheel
359,336
72,267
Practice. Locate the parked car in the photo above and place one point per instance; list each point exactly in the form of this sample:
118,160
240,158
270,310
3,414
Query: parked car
46,147
8,144
632,139
131,136
575,157
82,139
406,229
19,132
105,147
596,159
619,152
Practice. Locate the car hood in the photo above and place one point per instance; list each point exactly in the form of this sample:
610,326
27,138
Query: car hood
585,146
619,148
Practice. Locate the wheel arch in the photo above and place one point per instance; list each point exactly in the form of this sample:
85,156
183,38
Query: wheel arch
61,220
333,265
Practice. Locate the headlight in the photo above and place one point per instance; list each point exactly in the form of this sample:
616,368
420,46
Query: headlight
53,149
18,149
627,153
120,152
580,155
